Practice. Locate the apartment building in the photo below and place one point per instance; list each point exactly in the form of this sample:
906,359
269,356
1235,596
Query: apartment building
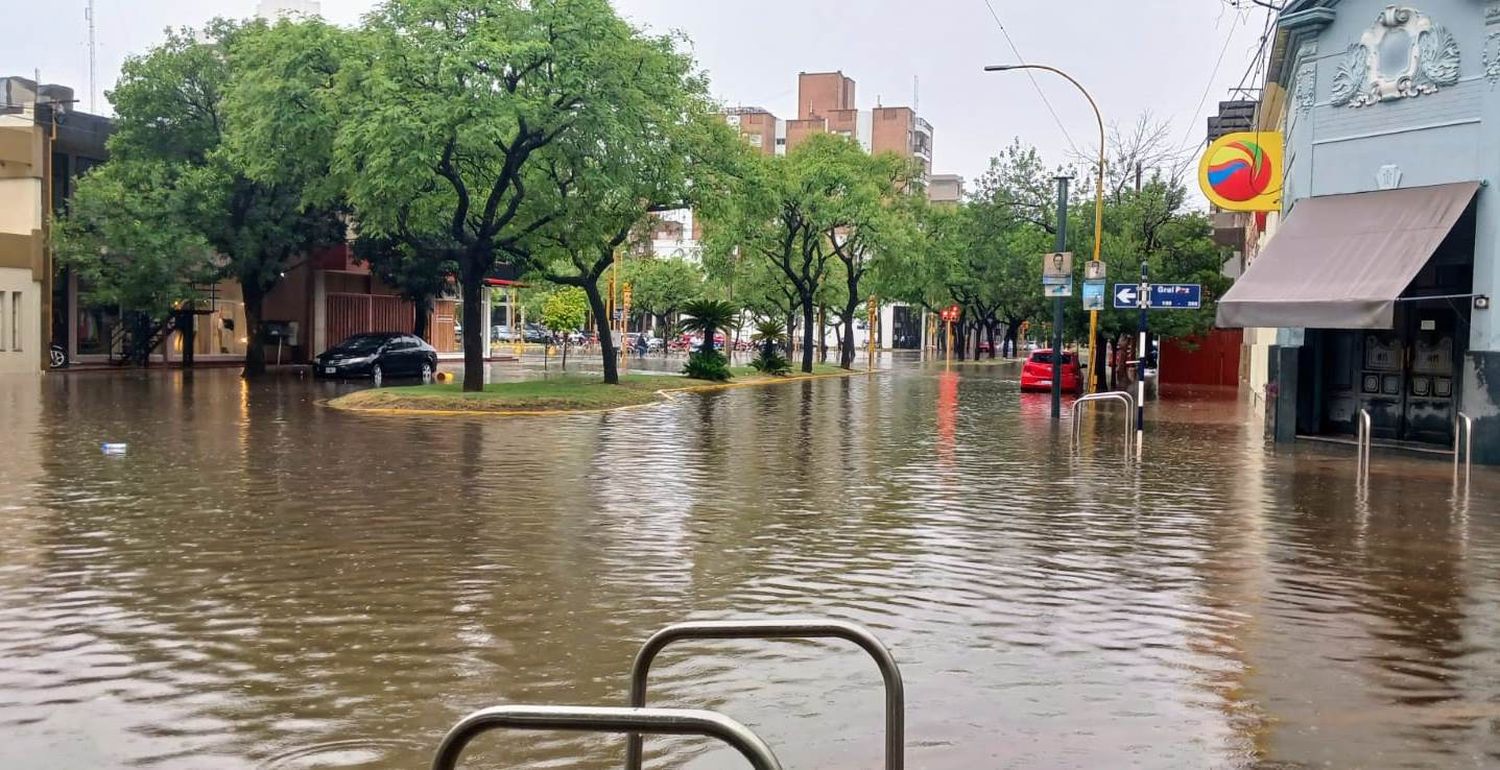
827,104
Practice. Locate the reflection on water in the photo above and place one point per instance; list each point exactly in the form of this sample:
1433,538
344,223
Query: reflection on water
264,582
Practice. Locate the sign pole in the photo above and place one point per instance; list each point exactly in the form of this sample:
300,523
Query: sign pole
1143,324
949,346
870,334
1057,303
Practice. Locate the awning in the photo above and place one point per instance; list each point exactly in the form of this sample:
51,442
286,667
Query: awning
1340,261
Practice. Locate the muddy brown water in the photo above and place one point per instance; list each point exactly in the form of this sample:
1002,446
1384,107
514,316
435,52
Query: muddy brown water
262,582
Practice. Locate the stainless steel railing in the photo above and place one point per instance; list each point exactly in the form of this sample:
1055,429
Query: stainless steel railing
1124,398
634,721
1463,429
895,696
1362,449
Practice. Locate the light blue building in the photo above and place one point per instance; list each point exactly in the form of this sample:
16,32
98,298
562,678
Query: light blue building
1381,274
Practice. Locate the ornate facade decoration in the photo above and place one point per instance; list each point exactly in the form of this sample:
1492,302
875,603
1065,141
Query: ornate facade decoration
1491,60
1404,54
1305,90
1490,57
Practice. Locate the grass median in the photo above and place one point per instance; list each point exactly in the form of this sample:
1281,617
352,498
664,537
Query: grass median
581,393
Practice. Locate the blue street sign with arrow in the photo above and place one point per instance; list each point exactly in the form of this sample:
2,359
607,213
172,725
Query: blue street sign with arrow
1163,296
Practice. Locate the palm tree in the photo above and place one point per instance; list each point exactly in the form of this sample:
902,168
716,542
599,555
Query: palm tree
707,317
769,335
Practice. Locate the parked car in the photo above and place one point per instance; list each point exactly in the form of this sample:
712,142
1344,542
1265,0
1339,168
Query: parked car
377,356
502,333
1036,373
535,333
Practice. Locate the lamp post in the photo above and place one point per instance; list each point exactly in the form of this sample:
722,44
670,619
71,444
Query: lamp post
1096,267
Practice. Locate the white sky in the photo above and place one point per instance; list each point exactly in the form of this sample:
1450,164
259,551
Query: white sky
1133,55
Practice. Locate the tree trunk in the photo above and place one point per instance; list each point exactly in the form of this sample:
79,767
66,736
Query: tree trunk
421,313
808,325
565,353
846,343
473,285
606,338
187,327
255,352
989,333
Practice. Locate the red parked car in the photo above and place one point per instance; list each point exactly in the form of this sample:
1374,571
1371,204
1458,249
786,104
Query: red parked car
1036,373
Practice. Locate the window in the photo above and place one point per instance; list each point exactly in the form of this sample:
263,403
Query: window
3,316
15,320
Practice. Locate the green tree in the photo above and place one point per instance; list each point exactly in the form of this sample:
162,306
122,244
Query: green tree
172,115
781,209
122,235
661,286
446,106
863,219
563,311
706,317
770,337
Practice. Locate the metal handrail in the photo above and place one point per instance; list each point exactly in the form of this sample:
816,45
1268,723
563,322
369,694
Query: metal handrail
895,694
605,720
1463,426
1125,398
1362,448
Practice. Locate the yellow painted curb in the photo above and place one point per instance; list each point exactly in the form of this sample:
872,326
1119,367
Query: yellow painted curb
663,396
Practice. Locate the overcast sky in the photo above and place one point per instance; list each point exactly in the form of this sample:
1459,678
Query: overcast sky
1133,55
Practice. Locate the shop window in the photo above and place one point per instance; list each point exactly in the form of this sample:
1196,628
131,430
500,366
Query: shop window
15,320
3,318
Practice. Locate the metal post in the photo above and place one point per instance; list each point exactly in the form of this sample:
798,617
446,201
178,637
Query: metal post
1057,303
1143,301
1463,428
604,720
1362,448
895,695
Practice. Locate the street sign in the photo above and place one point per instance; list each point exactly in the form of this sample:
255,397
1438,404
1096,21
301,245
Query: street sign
1176,296
1057,268
1093,295
1163,296
1053,290
951,313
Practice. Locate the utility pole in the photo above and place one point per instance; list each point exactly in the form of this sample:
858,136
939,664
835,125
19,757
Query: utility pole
1057,302
88,13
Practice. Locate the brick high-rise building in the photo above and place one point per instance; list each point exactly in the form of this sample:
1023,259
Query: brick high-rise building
826,105
819,94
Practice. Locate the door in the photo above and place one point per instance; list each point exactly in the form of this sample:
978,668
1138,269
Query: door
1381,379
1431,379
401,356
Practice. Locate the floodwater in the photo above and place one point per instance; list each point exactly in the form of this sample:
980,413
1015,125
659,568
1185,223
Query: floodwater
263,582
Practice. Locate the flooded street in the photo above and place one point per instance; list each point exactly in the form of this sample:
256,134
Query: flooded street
264,582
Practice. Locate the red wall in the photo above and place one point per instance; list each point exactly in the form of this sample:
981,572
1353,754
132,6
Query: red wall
1214,361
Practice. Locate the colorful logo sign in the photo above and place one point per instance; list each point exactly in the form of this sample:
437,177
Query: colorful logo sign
1242,171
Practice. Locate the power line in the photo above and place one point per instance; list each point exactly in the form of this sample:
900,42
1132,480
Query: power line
1192,122
1034,84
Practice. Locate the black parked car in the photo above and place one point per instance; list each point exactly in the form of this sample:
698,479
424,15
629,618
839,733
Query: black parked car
378,355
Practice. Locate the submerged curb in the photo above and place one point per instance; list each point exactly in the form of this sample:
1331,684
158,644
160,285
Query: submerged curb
659,397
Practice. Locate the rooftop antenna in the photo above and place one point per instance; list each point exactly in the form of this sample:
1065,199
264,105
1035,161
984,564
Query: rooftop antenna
88,13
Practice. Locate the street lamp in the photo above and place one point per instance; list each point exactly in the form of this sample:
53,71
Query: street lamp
1097,268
